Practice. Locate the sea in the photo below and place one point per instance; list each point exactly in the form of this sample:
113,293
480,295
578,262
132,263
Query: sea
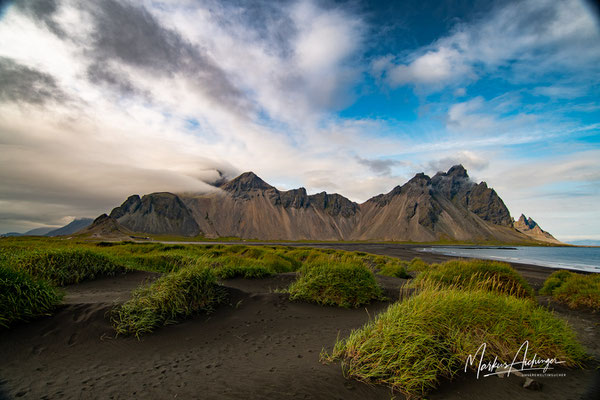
573,258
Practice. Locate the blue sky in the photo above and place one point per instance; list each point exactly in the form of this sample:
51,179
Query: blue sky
99,101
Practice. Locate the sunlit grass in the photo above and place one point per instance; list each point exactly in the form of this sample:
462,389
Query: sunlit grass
417,342
341,284
171,298
491,275
573,289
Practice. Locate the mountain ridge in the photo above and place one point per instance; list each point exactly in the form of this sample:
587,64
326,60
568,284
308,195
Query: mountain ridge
531,228
448,206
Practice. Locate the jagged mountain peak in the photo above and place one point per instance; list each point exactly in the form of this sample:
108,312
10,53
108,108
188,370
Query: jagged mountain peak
246,182
420,179
457,171
526,222
531,228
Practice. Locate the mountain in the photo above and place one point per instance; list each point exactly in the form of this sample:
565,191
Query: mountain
72,227
105,227
156,213
448,206
11,234
39,231
530,228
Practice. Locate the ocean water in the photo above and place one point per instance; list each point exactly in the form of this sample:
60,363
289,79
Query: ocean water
575,258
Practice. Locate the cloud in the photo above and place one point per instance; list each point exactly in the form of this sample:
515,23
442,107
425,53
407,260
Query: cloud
19,83
439,65
131,35
560,92
101,73
520,42
470,160
42,11
379,166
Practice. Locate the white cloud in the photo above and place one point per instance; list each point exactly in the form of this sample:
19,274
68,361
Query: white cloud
520,41
439,65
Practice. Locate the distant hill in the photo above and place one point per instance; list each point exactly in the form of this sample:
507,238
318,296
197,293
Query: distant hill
105,227
39,231
588,242
11,234
72,227
448,206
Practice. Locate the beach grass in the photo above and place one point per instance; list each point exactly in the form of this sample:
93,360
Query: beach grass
23,297
398,269
173,297
342,284
67,266
467,274
573,289
417,342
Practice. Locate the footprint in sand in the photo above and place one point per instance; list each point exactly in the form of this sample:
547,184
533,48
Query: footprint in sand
72,339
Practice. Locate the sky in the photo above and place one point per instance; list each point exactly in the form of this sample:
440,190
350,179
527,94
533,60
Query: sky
100,100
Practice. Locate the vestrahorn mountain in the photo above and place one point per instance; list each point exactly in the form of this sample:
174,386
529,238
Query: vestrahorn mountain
448,206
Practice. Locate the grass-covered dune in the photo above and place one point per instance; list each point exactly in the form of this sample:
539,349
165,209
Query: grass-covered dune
573,289
23,297
68,266
417,342
340,283
50,263
471,274
170,298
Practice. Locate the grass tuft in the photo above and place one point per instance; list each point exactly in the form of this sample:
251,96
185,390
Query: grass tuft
418,341
65,267
340,284
170,298
575,290
466,274
397,270
23,297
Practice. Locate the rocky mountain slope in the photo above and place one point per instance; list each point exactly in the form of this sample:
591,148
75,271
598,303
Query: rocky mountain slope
448,206
105,227
72,227
530,228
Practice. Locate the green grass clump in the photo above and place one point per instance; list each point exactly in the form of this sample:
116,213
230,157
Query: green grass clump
575,290
169,299
228,267
554,281
418,341
23,297
490,275
338,284
416,264
68,266
157,262
397,270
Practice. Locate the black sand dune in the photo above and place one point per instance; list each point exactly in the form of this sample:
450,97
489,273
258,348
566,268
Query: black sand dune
258,346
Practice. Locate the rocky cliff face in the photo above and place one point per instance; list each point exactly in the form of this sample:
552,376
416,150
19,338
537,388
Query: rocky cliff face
105,227
448,206
161,213
477,198
530,228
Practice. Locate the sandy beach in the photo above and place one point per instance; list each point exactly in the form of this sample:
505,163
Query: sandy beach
257,346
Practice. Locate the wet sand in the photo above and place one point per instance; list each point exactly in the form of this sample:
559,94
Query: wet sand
257,346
